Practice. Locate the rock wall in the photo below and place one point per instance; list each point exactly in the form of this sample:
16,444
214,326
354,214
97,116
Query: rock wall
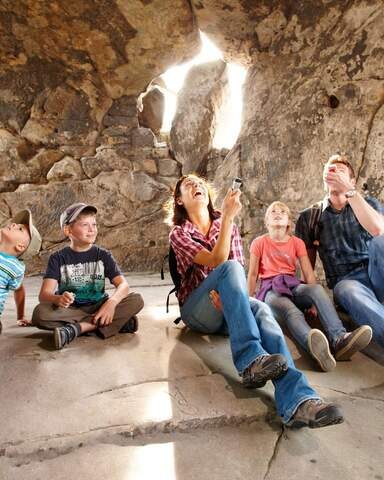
71,73
70,76
315,86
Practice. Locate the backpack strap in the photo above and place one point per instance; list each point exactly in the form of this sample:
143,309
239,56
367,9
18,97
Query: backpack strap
162,266
314,221
169,294
176,279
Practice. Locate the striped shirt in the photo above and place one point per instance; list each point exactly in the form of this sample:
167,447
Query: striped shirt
187,241
343,242
11,275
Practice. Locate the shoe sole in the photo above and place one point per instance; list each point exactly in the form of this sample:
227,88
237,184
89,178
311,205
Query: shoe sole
57,339
319,348
333,416
135,325
358,342
271,372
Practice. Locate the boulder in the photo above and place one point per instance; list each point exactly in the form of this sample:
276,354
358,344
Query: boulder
168,167
198,111
152,111
66,169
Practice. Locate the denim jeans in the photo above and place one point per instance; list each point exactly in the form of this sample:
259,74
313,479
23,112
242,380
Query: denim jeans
251,327
361,292
289,311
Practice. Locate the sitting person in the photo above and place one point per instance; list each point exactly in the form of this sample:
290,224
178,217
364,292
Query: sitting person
213,299
18,240
73,298
349,237
274,257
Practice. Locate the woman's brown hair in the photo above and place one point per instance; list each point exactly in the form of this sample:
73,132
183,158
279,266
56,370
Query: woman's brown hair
176,213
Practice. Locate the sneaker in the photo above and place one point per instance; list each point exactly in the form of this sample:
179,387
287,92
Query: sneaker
131,326
315,413
319,348
64,335
264,368
353,342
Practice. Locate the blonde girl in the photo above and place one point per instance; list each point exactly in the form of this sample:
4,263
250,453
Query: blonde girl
274,258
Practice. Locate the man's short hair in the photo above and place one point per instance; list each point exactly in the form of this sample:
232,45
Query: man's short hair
343,159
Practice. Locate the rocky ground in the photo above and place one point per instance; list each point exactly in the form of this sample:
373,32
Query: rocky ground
166,403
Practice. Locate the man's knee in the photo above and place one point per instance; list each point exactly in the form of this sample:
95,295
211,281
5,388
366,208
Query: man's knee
347,290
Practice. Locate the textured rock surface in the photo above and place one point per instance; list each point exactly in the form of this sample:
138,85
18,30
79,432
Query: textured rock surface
151,115
316,87
198,111
71,75
66,169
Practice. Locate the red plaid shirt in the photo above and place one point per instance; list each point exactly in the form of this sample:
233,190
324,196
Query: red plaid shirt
187,242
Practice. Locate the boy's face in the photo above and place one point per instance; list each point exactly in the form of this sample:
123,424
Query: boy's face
17,235
83,230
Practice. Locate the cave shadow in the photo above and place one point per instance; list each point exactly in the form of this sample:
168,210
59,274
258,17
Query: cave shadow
214,351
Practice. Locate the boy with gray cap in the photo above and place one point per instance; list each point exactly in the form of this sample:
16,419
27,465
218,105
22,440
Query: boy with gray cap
73,298
19,239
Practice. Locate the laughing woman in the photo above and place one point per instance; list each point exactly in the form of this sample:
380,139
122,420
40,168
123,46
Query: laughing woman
213,298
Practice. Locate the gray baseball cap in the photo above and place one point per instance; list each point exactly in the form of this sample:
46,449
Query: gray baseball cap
73,211
25,217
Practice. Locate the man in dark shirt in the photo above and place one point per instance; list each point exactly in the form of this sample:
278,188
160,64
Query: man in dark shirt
350,243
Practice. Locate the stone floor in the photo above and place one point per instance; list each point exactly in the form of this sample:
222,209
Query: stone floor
166,403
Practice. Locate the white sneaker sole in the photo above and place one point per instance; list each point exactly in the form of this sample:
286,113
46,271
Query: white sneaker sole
319,348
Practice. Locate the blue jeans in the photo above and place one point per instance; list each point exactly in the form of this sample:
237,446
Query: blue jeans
289,311
361,292
251,327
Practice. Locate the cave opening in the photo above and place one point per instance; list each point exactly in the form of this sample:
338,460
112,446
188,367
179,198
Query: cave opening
229,123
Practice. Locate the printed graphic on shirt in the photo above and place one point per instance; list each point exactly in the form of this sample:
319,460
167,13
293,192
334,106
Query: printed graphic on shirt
85,280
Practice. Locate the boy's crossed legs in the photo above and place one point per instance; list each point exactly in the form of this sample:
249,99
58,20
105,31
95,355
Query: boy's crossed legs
68,323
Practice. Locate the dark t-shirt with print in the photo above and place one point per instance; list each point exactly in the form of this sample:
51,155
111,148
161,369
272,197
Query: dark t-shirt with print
82,273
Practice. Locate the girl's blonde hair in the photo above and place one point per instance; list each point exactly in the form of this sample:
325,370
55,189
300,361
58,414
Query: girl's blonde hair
285,209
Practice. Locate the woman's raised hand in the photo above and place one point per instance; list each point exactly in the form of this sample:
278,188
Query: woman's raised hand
231,204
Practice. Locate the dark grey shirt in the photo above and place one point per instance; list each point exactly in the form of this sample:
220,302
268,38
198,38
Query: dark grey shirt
82,273
343,242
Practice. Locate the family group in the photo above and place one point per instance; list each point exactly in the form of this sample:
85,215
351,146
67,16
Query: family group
214,294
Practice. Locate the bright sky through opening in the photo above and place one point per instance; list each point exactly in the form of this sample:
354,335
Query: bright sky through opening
228,129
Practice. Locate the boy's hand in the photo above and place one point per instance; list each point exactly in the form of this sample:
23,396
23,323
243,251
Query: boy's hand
24,322
105,315
65,300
